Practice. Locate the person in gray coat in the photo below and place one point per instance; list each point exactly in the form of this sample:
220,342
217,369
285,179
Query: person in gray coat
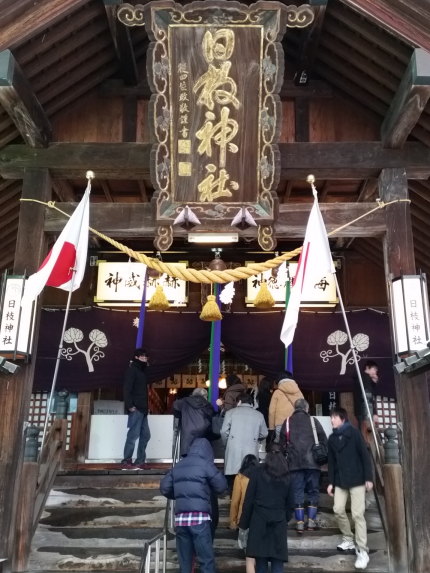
241,430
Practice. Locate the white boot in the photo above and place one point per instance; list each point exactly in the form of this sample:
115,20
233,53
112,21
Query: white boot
362,559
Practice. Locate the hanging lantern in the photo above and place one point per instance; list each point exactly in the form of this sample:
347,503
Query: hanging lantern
264,298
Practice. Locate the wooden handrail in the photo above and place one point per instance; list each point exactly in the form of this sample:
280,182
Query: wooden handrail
389,496
37,480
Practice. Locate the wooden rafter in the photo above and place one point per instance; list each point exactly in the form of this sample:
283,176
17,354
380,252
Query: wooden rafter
64,190
409,102
20,102
309,42
123,45
390,15
106,190
143,191
35,19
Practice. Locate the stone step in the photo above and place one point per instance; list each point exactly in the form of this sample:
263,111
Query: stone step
127,559
98,521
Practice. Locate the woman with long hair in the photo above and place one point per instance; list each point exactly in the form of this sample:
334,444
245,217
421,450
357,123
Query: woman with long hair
266,511
249,463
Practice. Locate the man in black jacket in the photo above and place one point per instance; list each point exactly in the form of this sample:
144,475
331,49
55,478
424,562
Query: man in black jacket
349,473
136,405
192,482
195,414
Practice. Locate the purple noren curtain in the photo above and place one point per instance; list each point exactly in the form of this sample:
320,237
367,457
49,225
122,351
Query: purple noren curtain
322,360
172,340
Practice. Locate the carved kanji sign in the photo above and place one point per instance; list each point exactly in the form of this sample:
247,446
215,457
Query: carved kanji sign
215,70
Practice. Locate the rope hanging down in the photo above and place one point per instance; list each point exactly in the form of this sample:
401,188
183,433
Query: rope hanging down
206,276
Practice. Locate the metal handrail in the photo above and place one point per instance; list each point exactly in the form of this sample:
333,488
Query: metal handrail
168,529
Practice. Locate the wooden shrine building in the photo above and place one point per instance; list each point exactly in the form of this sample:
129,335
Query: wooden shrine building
169,115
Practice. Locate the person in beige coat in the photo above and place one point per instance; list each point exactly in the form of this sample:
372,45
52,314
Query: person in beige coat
282,403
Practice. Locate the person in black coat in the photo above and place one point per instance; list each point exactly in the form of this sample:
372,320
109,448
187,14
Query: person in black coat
264,395
304,471
195,414
349,475
136,405
192,482
266,511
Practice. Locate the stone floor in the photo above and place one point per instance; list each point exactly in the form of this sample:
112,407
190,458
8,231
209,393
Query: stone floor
98,521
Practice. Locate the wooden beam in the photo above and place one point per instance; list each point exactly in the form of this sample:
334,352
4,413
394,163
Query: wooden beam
71,160
409,102
136,220
123,45
340,160
388,14
31,22
21,104
314,89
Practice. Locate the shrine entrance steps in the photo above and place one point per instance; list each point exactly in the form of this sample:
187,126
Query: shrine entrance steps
96,520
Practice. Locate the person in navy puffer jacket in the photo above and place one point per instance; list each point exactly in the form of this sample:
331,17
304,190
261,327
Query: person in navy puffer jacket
192,482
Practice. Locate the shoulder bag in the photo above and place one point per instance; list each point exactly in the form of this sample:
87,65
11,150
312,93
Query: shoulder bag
319,451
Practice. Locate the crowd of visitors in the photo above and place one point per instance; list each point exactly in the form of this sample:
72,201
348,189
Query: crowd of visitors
265,494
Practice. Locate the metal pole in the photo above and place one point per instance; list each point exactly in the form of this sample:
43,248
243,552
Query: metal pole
89,176
57,365
360,379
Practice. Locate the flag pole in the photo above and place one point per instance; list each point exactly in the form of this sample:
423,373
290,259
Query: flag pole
311,180
357,368
90,176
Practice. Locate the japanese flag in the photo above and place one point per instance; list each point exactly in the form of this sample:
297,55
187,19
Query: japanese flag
64,266
315,255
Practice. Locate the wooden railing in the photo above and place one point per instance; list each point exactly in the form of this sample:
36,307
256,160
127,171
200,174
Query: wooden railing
389,496
37,479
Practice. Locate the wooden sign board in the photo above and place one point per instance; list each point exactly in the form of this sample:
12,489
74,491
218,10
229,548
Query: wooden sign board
215,69
121,284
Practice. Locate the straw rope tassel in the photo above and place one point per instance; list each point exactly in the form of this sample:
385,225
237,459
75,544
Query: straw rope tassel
158,300
264,298
210,311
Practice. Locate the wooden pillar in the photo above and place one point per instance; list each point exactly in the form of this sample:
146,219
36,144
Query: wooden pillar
411,390
80,434
15,391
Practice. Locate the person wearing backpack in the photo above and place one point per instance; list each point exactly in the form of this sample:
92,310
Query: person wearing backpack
298,440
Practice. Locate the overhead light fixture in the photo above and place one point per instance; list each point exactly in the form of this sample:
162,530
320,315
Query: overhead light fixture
8,367
213,238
